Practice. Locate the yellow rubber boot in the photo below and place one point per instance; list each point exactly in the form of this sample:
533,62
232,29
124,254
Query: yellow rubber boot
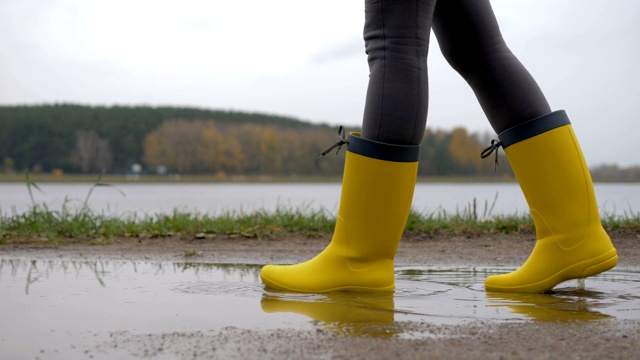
377,191
571,243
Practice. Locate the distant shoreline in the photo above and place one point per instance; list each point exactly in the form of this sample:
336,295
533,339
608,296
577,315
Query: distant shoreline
211,178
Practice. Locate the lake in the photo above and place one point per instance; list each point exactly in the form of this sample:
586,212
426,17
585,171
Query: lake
214,198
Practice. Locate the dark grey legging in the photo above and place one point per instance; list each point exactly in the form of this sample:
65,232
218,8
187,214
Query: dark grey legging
396,34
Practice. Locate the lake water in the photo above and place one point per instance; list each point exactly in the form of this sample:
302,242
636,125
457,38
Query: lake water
214,198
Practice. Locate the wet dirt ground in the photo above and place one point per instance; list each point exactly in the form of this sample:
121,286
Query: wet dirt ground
182,299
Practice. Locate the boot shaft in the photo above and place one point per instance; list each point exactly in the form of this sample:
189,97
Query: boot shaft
548,163
376,197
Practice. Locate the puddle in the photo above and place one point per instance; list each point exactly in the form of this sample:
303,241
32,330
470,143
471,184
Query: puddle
452,295
58,307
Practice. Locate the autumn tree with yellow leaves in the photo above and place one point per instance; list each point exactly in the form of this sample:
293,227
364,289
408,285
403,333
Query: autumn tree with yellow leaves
204,146
191,146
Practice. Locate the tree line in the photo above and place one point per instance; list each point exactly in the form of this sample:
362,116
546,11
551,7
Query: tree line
69,137
93,139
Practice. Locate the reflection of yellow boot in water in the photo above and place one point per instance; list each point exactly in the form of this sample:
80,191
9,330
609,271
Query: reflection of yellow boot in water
377,191
571,243
345,313
545,307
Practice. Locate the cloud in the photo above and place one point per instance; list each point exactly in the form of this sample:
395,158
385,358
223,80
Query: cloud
307,60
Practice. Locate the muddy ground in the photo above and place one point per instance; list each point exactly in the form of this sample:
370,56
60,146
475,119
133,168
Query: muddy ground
535,339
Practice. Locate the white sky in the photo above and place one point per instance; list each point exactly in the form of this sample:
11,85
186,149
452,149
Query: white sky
306,59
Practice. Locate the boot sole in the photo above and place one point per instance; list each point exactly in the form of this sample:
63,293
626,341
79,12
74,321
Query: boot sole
581,270
275,285
272,285
609,262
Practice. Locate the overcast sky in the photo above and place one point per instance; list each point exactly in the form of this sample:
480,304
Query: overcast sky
306,60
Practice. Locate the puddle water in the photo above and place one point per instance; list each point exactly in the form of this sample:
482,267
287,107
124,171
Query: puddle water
59,306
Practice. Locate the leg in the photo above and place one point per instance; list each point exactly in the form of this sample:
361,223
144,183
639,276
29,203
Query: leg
471,41
541,147
381,165
396,34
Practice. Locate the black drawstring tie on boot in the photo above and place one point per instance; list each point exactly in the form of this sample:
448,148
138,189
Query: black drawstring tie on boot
495,146
343,140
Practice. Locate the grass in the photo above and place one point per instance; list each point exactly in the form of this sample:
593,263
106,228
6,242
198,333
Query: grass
64,225
53,225
60,226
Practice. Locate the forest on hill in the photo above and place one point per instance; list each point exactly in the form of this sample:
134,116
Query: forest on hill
97,139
